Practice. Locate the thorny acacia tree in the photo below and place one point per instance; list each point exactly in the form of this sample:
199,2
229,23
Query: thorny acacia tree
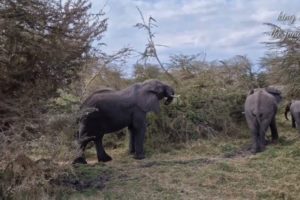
43,46
283,58
241,73
45,43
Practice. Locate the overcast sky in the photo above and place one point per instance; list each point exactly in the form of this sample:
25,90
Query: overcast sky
220,28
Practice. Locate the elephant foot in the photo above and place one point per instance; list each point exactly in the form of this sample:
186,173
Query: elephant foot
79,160
267,142
139,156
274,141
105,158
131,152
256,149
262,148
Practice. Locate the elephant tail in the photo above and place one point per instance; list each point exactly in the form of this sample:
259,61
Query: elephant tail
258,118
256,112
260,127
287,110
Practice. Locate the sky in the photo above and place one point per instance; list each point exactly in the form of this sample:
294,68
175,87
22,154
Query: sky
219,28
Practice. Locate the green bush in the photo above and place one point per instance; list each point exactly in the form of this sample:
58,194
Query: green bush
205,109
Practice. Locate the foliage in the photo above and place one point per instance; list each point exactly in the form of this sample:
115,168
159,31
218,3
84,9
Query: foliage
210,103
44,46
144,72
283,58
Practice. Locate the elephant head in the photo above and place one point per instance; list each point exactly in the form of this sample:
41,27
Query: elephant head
151,92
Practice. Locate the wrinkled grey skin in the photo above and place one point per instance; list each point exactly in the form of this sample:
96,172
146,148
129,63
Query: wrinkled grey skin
109,111
294,108
260,110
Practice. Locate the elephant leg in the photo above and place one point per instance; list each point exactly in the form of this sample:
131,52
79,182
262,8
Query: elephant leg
81,157
262,134
82,142
254,128
262,140
101,154
255,143
297,123
293,122
139,144
131,141
274,131
138,134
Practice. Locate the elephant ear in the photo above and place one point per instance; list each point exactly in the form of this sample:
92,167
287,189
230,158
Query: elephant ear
273,91
149,102
250,92
147,99
276,93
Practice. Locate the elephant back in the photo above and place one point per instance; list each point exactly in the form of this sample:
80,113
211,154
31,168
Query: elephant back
295,106
88,100
260,101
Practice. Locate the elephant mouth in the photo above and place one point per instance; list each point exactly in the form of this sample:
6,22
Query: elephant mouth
170,98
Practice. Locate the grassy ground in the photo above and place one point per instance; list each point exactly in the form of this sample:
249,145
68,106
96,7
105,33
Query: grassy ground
210,169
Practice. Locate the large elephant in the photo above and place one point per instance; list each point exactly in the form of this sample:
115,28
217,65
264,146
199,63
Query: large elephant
260,110
109,111
294,108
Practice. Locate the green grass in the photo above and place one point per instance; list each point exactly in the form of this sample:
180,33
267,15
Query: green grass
217,168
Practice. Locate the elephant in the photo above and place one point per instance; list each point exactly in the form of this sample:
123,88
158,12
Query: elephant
260,111
108,111
294,108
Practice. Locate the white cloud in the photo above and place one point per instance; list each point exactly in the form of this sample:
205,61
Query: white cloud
264,15
223,28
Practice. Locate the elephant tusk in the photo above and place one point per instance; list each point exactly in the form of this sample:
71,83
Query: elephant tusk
175,96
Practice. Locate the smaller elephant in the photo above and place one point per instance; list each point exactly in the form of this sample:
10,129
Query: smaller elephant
294,108
260,110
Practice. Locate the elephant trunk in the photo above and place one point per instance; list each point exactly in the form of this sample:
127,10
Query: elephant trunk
169,93
287,109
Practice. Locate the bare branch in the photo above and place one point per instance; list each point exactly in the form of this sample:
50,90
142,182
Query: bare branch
150,50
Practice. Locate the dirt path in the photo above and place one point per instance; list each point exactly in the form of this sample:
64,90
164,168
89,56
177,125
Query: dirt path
160,176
